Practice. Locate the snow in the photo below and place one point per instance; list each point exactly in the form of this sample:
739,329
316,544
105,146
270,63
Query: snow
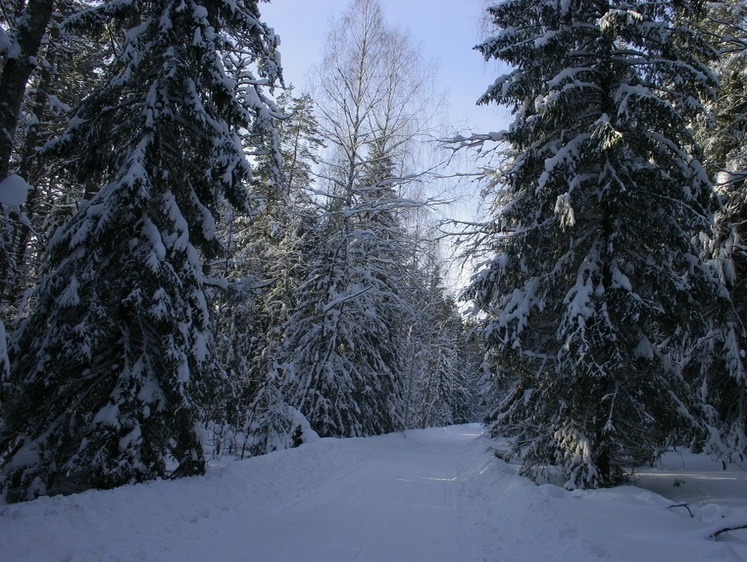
644,349
13,191
70,297
5,42
108,415
9,47
158,251
437,494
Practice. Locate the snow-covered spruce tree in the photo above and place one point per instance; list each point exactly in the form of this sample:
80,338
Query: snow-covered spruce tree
266,262
69,67
439,389
438,384
283,244
27,24
724,23
721,356
13,193
114,368
596,278
345,339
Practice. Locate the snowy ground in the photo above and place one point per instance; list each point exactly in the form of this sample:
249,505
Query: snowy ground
425,496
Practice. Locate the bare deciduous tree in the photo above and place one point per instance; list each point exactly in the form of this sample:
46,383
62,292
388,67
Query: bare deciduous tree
374,93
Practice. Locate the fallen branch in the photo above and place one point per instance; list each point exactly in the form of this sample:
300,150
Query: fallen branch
685,505
726,530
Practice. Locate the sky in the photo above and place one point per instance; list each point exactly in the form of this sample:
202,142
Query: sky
446,30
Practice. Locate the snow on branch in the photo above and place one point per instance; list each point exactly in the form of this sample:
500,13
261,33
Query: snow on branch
13,191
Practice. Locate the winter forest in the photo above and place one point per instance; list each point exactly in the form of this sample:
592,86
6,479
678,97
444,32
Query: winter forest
197,260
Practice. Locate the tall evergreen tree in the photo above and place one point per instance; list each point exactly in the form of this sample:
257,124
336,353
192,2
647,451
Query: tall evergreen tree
721,357
439,388
300,141
69,67
266,262
114,368
596,277
27,23
345,339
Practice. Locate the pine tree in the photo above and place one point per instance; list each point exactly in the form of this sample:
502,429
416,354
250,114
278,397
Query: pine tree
114,368
300,142
596,278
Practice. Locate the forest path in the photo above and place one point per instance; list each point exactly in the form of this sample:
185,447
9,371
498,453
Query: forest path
404,502
419,496
431,495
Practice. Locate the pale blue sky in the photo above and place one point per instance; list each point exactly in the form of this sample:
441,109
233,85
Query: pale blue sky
445,29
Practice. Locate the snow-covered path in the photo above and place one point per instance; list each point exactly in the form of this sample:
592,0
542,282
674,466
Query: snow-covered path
402,502
430,495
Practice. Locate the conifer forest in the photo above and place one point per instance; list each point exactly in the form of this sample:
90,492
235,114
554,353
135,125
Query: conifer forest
197,259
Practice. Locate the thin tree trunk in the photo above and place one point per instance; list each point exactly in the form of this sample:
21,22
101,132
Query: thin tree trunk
15,76
16,73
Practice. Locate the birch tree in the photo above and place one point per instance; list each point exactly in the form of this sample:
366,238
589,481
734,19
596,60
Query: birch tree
344,341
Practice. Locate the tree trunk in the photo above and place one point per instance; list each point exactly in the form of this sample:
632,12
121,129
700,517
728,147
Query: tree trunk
16,73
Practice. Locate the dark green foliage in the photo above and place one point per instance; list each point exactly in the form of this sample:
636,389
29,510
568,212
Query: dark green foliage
114,368
266,263
343,340
597,280
720,357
